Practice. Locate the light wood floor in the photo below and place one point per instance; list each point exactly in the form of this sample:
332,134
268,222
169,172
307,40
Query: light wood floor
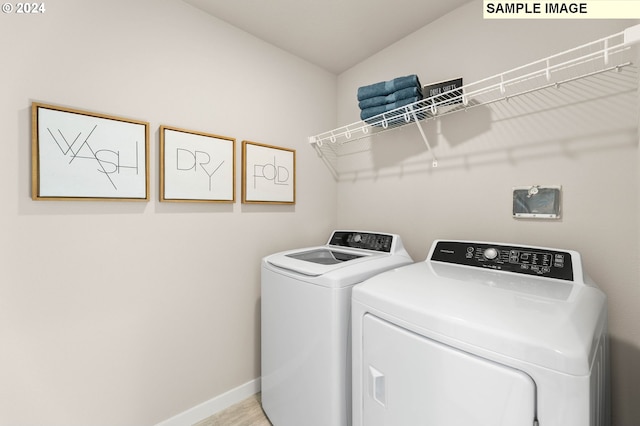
246,413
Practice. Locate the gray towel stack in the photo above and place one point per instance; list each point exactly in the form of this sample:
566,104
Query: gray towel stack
379,98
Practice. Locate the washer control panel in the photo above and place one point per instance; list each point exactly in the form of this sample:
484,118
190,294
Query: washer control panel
362,240
523,260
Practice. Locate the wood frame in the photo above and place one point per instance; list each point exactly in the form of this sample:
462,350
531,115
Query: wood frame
81,155
268,174
196,166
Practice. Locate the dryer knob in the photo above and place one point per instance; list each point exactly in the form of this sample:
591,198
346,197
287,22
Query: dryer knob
490,253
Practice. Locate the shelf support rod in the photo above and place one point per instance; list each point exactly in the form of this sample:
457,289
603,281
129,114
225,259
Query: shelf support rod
424,137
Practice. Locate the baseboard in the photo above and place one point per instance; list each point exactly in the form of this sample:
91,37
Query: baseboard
214,405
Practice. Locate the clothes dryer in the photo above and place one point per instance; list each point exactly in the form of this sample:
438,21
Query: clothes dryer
306,341
481,334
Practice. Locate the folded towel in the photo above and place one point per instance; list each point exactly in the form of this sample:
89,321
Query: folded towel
409,92
377,110
385,88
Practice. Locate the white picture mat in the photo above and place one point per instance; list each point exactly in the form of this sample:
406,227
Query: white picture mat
269,174
86,156
198,167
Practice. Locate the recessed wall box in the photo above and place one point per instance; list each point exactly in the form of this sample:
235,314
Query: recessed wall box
537,202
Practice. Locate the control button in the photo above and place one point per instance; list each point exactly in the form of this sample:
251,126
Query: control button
469,254
490,253
357,238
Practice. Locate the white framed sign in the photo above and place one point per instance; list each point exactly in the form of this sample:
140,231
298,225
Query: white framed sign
196,166
268,174
80,155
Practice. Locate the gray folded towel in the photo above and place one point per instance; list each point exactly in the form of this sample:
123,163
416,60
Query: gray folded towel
385,88
409,92
377,110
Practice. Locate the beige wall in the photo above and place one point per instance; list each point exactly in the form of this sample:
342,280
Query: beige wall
129,313
590,148
116,313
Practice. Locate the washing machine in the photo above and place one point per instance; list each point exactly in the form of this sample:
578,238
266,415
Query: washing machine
305,311
481,334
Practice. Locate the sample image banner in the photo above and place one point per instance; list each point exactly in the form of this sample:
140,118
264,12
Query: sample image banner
588,9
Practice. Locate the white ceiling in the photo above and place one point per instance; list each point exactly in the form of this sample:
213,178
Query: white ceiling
333,34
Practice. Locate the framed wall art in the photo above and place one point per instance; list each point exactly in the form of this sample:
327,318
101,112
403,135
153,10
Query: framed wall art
80,155
268,174
196,167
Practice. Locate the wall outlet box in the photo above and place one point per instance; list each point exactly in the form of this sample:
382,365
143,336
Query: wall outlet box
537,202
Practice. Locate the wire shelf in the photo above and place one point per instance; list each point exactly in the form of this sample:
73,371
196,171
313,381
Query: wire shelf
609,55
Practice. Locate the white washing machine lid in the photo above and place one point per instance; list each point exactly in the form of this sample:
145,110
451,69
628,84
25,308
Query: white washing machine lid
320,260
554,323
349,257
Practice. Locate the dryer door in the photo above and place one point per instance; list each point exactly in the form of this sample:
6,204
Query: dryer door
413,380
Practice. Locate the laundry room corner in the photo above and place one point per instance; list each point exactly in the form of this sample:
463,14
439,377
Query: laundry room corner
589,148
166,310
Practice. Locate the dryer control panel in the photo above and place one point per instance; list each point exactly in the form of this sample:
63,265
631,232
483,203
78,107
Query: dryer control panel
523,260
362,240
